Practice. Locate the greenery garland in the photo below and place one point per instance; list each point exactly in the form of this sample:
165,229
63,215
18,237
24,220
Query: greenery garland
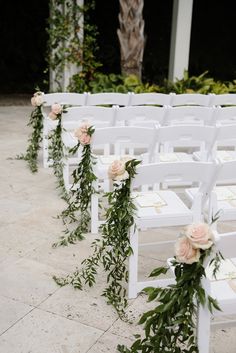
56,147
82,190
72,40
113,248
35,138
171,326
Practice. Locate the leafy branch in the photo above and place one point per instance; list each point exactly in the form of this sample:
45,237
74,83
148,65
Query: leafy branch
56,154
78,209
35,138
112,250
171,326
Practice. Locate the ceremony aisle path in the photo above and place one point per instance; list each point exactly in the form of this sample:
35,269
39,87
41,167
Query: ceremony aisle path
37,316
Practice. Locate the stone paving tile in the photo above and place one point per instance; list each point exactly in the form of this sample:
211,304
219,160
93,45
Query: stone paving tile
108,343
10,312
70,256
136,308
74,304
20,240
42,332
27,281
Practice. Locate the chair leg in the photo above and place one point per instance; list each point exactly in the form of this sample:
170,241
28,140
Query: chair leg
203,329
133,264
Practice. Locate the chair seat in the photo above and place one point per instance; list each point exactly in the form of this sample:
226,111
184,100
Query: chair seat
156,208
223,288
174,157
223,155
226,200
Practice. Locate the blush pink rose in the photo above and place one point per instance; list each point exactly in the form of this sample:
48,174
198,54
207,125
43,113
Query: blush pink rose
85,139
200,235
37,100
52,116
56,108
185,252
82,133
83,129
127,158
117,171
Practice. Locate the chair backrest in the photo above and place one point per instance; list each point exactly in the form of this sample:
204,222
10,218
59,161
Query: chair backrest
223,99
227,171
190,99
147,116
204,136
225,115
64,98
226,244
97,116
202,172
159,99
226,136
125,138
196,115
108,98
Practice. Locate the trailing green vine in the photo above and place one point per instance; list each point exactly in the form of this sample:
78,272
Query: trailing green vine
35,138
112,250
72,40
171,326
56,147
78,209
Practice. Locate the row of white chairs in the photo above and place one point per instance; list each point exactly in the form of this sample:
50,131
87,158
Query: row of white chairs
152,98
148,144
146,116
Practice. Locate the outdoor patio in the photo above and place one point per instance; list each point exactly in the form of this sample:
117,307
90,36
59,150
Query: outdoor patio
37,316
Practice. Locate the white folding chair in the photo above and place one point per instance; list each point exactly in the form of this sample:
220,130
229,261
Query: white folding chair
223,198
190,99
148,116
196,115
226,99
170,137
124,141
108,98
225,115
72,119
223,290
65,98
152,98
164,208
224,147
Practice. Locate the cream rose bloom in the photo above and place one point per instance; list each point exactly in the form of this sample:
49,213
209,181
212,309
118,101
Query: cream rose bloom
185,252
83,129
85,139
37,99
82,133
126,158
200,235
56,108
117,171
52,116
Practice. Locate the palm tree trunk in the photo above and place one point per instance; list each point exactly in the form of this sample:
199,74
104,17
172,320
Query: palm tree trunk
131,36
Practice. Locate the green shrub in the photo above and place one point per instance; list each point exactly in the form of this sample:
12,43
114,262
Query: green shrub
123,84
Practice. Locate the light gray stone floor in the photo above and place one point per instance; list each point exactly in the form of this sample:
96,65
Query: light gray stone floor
36,316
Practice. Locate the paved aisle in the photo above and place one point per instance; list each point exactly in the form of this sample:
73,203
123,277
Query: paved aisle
36,316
